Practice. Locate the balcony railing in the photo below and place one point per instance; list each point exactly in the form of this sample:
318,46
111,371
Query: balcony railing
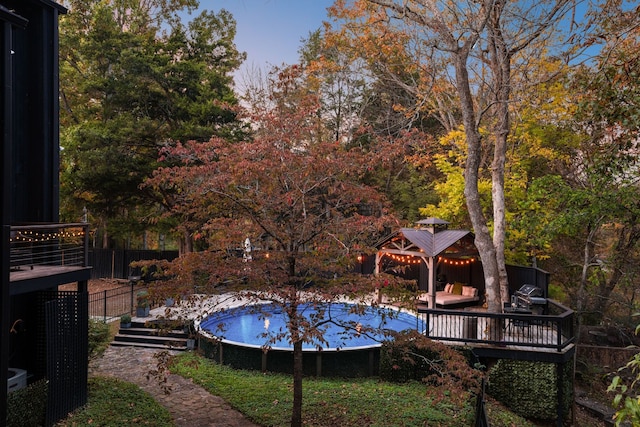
48,245
553,331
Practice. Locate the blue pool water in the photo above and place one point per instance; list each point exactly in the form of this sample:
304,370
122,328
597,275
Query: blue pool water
257,325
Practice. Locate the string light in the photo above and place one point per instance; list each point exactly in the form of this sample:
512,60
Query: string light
34,236
456,262
410,259
404,259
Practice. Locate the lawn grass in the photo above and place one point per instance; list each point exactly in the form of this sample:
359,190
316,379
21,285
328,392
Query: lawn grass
116,403
267,398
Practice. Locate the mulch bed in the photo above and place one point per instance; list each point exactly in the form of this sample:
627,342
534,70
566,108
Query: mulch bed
97,285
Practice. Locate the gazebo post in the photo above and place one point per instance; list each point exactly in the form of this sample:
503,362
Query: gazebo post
432,282
376,271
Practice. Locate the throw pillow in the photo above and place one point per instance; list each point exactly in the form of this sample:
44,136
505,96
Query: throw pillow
457,288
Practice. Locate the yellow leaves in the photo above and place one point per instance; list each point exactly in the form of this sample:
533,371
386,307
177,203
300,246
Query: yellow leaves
550,100
450,192
456,141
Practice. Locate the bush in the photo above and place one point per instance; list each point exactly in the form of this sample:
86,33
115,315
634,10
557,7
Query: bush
412,356
142,299
27,407
99,337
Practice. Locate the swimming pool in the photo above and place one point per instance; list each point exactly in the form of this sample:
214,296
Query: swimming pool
247,337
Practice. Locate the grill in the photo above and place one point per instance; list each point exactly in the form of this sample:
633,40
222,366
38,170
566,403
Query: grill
531,298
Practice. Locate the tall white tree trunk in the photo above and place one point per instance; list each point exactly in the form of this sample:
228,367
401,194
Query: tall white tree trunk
500,64
483,239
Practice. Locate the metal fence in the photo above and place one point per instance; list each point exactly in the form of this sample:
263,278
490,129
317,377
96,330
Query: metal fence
110,304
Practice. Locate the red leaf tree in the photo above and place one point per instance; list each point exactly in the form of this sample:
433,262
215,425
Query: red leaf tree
297,195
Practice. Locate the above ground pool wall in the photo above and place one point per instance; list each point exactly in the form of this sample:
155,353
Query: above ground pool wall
345,363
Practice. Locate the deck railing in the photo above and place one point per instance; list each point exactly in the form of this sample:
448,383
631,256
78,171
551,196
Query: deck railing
544,331
49,244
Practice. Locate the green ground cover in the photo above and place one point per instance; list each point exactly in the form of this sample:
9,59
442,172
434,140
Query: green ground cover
267,399
116,403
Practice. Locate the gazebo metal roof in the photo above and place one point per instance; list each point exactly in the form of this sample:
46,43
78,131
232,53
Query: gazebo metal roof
430,239
433,244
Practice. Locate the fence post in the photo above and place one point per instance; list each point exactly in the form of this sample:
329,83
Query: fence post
105,305
85,242
131,304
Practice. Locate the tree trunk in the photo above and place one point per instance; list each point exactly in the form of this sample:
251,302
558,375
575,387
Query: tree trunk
626,240
500,63
483,239
105,235
296,412
581,297
186,243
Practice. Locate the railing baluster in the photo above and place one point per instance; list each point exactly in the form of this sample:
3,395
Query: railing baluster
49,244
517,329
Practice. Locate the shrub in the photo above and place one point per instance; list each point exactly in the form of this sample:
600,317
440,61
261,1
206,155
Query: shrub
27,407
142,299
99,337
412,356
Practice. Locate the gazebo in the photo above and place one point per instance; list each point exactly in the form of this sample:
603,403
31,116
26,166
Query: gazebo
437,251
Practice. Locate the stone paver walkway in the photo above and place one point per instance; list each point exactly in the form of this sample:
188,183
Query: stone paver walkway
190,404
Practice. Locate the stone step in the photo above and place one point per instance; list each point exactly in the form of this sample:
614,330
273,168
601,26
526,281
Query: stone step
150,335
152,339
141,331
152,322
147,345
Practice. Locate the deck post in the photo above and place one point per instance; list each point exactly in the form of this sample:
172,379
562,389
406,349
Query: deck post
5,321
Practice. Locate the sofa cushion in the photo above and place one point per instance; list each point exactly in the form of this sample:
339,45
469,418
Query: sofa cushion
469,291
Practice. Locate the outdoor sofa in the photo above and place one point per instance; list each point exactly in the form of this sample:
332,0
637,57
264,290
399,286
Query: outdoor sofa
454,294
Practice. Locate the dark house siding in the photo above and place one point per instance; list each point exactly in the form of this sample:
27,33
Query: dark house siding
29,166
34,184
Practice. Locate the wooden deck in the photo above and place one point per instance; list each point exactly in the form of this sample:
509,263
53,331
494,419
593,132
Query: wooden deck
31,278
524,336
46,255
